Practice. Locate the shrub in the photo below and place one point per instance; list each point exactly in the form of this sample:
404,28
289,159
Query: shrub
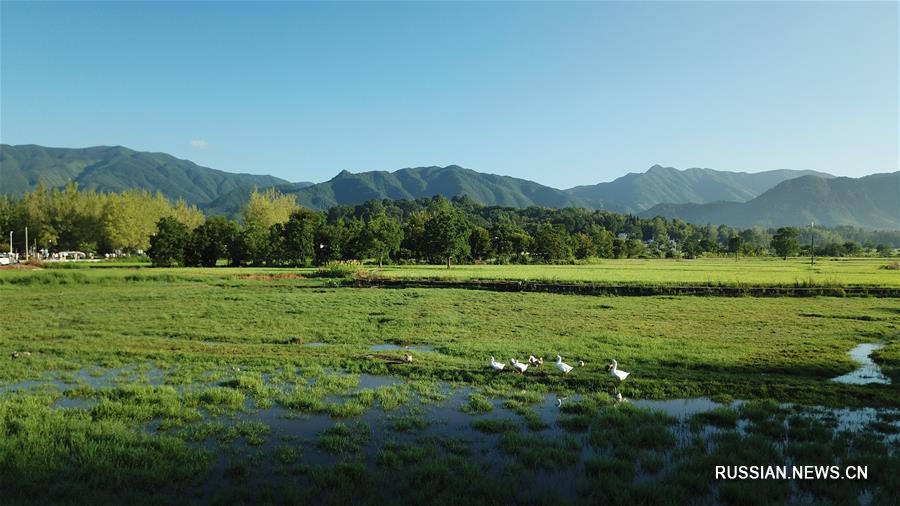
336,270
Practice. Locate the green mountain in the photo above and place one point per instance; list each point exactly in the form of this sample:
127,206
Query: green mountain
412,183
106,168
695,195
636,192
869,202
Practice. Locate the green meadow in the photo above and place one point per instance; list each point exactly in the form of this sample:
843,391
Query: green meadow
757,271
274,385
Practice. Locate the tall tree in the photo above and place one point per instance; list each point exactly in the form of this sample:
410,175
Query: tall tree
446,231
267,208
382,237
551,242
583,245
786,242
603,241
479,243
211,241
414,244
167,245
300,235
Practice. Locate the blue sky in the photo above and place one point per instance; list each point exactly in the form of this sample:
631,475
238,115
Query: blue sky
560,93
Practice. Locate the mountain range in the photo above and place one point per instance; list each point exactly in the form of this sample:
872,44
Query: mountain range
869,202
114,168
635,192
772,198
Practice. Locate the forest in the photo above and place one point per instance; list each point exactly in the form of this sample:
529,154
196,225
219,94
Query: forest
274,231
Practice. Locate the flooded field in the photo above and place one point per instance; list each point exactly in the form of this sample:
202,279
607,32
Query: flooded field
239,390
287,431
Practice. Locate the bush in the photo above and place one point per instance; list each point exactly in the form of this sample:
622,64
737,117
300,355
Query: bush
336,270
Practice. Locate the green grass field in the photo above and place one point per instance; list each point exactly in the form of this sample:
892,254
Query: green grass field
711,271
157,384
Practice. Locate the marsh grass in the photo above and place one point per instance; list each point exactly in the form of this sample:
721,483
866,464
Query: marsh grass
286,455
723,417
396,455
344,439
410,422
476,404
95,454
253,432
541,452
155,355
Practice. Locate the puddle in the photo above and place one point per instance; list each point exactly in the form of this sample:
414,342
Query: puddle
679,408
395,347
372,381
314,344
868,371
94,377
73,402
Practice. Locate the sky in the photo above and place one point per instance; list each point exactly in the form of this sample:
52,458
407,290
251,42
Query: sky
559,93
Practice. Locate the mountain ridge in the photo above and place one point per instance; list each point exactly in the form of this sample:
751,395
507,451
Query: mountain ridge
117,168
871,201
693,194
638,191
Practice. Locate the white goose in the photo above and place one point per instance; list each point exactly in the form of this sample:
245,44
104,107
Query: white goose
615,372
562,366
535,361
520,366
497,366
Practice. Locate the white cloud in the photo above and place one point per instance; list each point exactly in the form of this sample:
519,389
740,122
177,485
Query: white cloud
199,144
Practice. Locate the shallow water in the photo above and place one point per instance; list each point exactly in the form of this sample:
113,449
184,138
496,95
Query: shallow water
868,371
395,347
679,408
302,431
93,377
73,402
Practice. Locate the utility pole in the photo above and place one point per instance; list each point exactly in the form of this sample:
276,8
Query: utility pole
26,244
812,243
10,244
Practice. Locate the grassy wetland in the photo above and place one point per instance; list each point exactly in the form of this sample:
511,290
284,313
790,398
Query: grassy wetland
255,385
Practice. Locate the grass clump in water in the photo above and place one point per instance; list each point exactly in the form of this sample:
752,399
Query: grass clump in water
395,455
253,432
286,455
540,452
625,429
477,403
219,399
719,417
344,439
410,422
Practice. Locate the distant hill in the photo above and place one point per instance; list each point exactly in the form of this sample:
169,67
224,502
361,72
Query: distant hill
636,192
413,183
695,195
114,168
868,202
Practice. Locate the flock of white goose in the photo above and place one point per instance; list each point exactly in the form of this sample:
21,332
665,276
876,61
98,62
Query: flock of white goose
521,367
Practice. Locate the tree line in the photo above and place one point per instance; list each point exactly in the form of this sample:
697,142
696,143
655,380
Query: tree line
69,218
273,230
